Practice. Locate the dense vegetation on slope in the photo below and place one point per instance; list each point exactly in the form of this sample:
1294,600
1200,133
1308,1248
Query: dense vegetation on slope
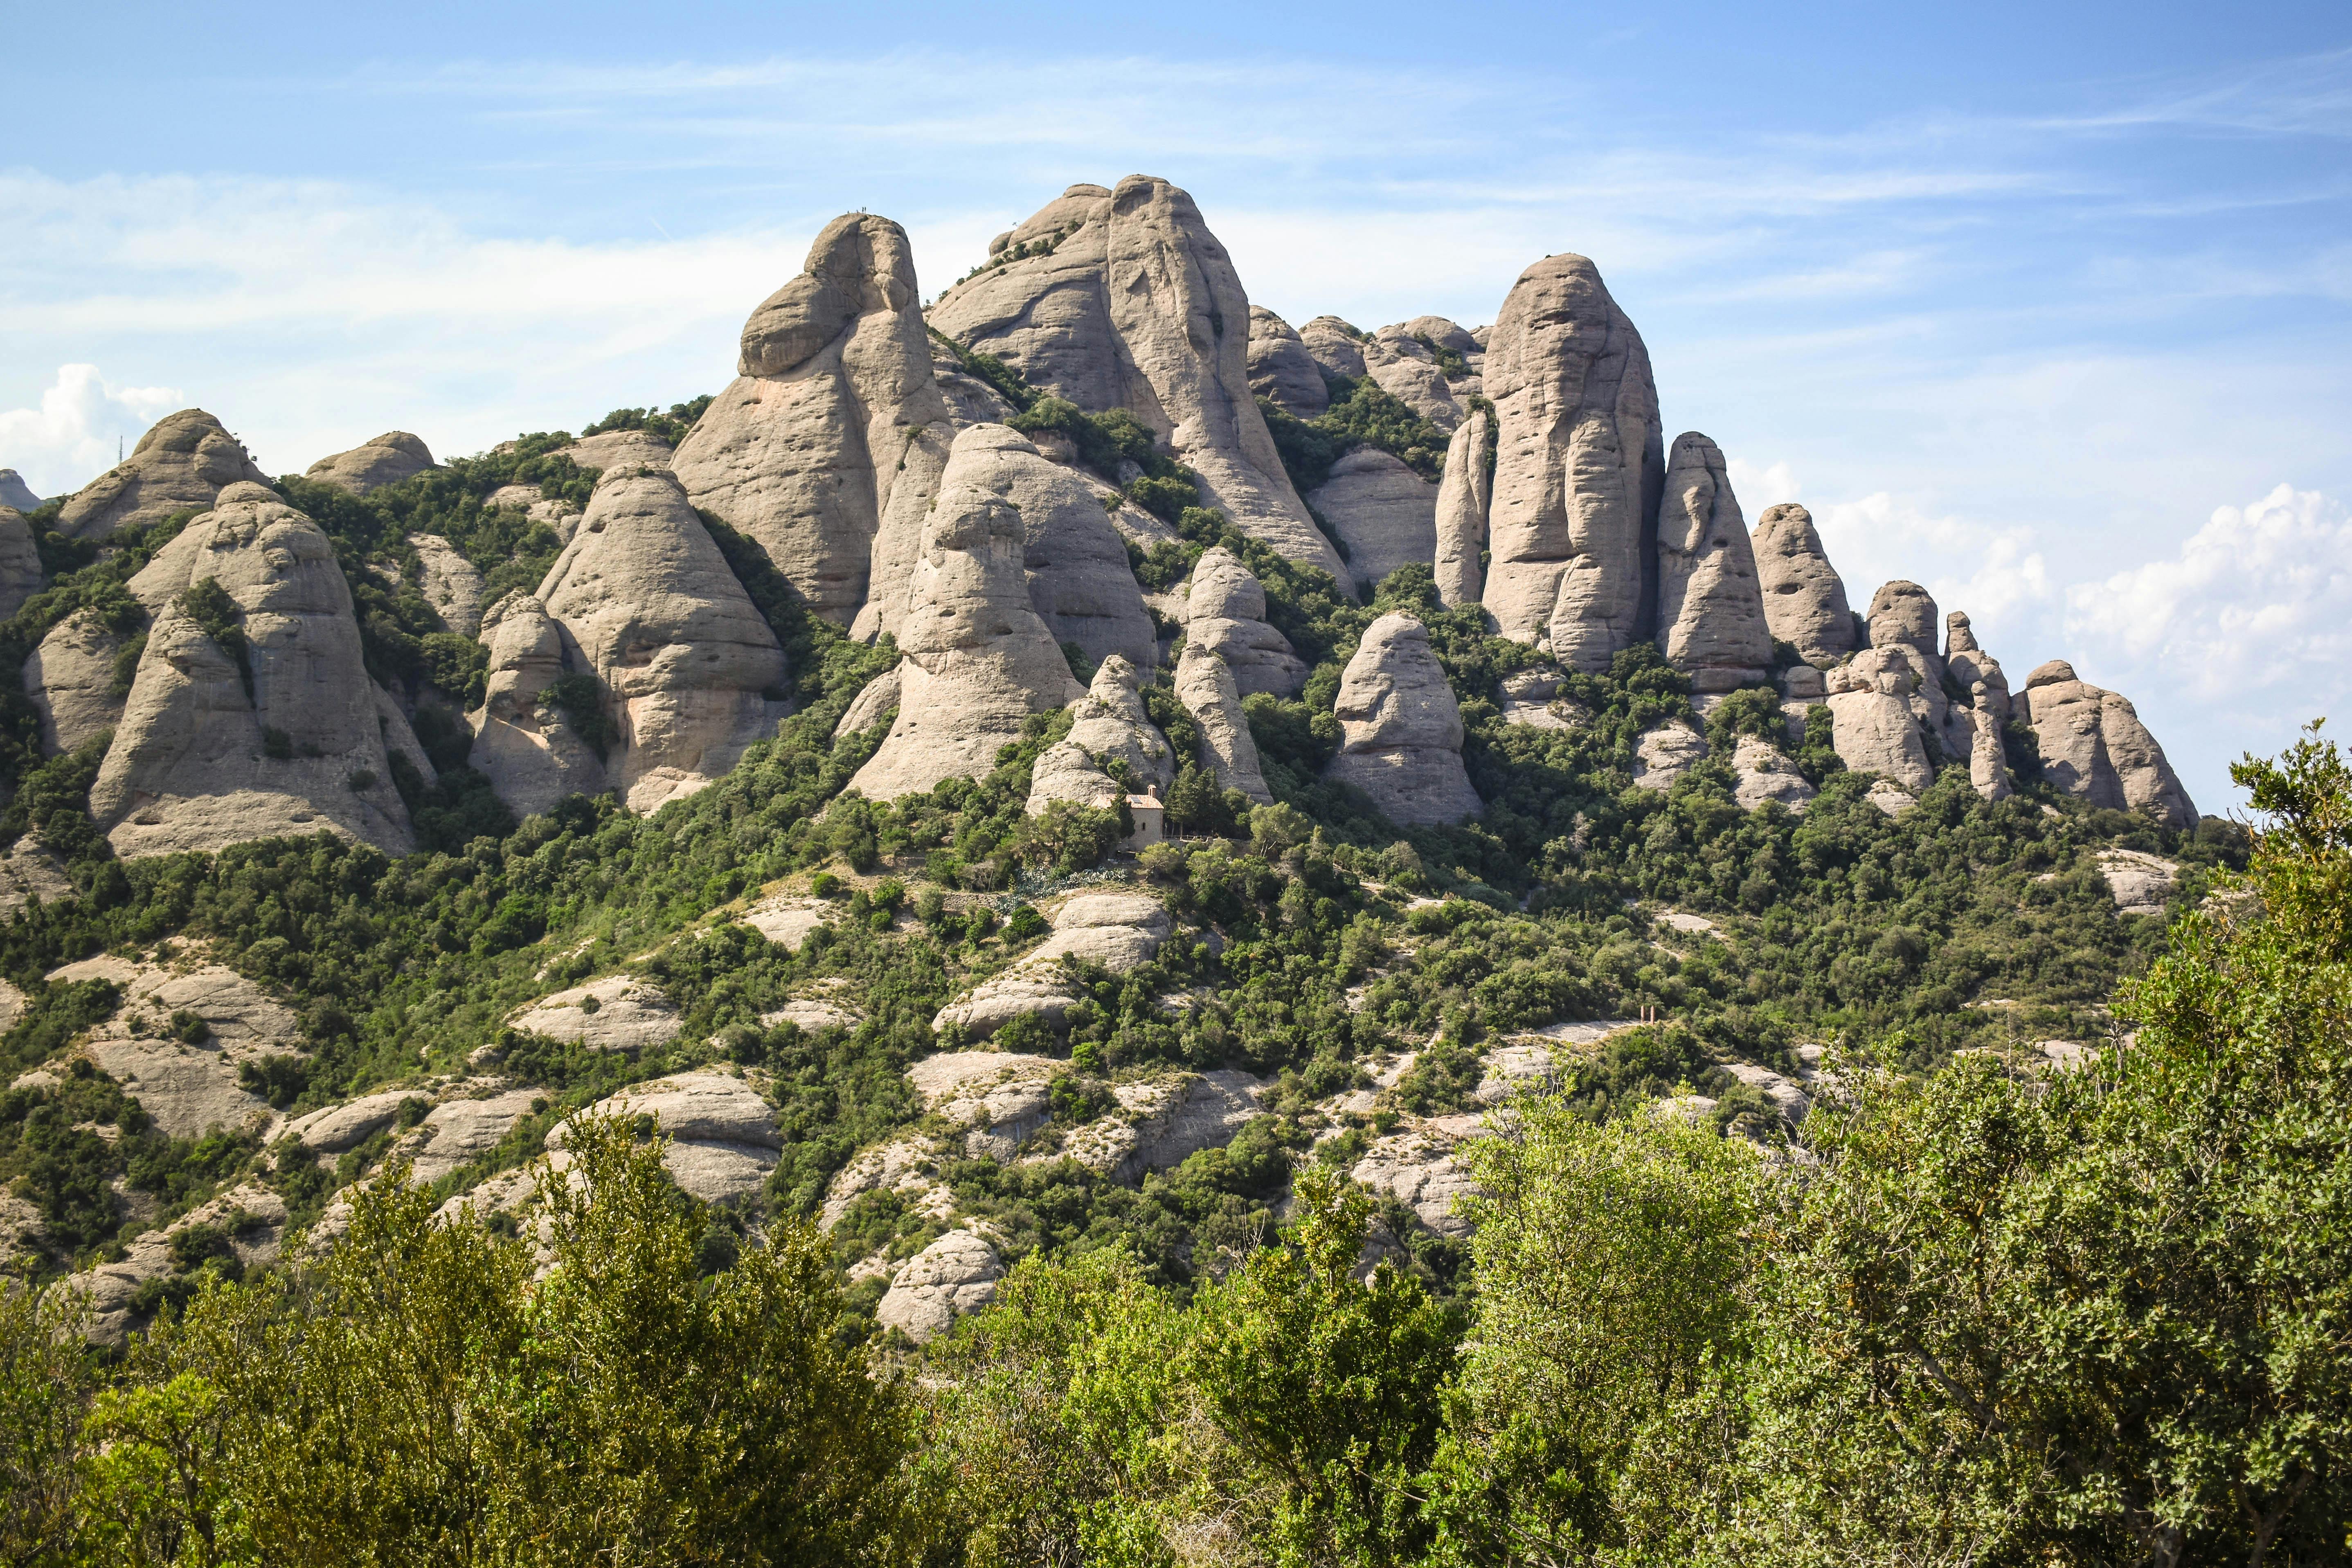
1986,1315
1169,1364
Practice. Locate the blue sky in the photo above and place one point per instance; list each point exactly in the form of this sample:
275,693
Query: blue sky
2047,306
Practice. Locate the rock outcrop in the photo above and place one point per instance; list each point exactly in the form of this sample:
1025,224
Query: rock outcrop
1401,728
616,1012
955,1275
1874,727
16,494
389,458
1384,512
979,660
1987,758
1135,305
618,452
1804,600
20,561
1711,621
722,1138
1080,582
1109,724
826,448
1280,368
1762,771
70,679
1225,614
1116,929
527,747
1666,753
687,671
1580,466
872,704
2094,747
181,464
287,734
1464,495
1405,368
1204,684
1335,347
452,584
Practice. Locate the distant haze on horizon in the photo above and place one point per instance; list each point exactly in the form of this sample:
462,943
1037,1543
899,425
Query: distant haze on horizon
2051,312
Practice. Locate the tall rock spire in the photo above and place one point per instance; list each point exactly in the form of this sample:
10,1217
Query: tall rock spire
826,448
1710,609
1580,465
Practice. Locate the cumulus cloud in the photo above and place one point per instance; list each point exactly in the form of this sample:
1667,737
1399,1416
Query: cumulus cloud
73,436
2259,599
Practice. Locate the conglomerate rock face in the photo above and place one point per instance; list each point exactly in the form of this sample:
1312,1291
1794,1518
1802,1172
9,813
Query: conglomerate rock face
1225,614
1580,467
251,714
979,661
1464,492
182,463
687,669
2094,747
1804,599
1127,301
1383,511
1402,728
389,458
20,561
1710,610
1280,368
826,448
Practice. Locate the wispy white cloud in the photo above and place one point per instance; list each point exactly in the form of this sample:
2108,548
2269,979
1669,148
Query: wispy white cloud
2255,605
78,428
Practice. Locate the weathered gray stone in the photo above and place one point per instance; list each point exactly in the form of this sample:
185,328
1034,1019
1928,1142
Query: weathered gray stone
1581,463
1401,728
352,1123
1073,557
1120,932
452,584
1464,494
1109,722
1161,1122
1762,771
873,702
1335,347
1280,368
827,448
618,1013
979,660
389,458
1666,753
2094,747
1987,758
107,1292
1902,614
1138,307
21,577
688,670
16,494
1204,684
1225,614
1408,371
1386,514
528,750
180,464
1874,728
192,766
30,870
955,1275
722,1137
1415,1165
1711,621
70,680
618,452
2141,882
456,1132
1804,599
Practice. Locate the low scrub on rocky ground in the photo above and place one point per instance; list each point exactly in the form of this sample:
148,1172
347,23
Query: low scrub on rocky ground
1988,1312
